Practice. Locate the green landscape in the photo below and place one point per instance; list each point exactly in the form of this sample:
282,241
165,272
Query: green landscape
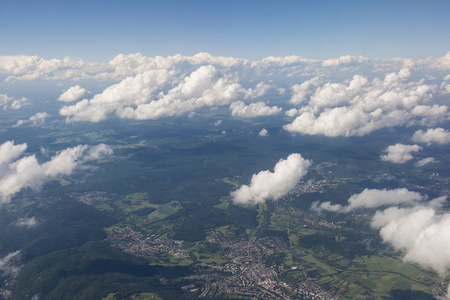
169,228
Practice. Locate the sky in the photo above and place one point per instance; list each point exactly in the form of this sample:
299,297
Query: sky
99,30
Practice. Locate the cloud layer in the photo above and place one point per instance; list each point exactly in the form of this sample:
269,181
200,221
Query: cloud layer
27,68
26,172
268,185
345,96
141,97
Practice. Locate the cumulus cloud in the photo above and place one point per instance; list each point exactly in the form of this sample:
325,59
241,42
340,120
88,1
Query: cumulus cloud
27,222
417,228
263,132
400,153
425,161
26,68
156,87
273,185
131,91
281,91
217,123
36,120
9,151
300,92
372,198
73,93
132,64
420,232
26,172
23,67
327,206
136,97
241,110
282,61
432,135
440,63
346,59
7,102
98,152
360,106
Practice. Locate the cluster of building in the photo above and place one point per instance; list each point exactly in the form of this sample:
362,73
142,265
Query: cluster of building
137,244
247,274
310,290
92,198
324,223
439,290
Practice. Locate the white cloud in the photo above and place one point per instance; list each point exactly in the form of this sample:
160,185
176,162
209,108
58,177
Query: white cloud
281,91
241,110
137,97
430,115
432,135
400,153
9,151
425,161
8,263
98,152
319,207
27,172
417,229
263,132
273,185
73,93
420,232
346,59
27,222
360,106
282,61
217,123
129,92
7,102
445,88
293,112
440,63
352,107
301,92
26,68
133,64
23,67
372,198
36,120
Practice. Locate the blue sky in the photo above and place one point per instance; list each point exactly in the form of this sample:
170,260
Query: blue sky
99,30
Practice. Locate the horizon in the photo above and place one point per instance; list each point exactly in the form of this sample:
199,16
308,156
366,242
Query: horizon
245,29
